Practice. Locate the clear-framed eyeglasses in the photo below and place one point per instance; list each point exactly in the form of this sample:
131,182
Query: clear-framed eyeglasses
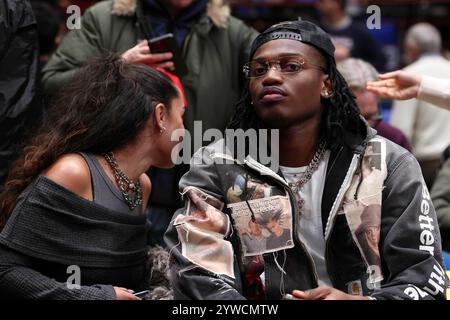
289,64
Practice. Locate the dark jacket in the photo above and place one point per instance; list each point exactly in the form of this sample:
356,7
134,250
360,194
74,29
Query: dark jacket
19,104
18,58
205,236
440,193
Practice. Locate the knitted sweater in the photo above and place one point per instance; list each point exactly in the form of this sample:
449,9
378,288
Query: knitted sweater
53,233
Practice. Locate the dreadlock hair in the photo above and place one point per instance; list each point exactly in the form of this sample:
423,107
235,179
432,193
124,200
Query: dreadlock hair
341,113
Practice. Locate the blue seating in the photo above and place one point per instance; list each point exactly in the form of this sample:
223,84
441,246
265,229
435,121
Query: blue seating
446,256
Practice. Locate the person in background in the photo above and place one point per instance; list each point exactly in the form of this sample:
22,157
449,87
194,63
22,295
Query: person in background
358,73
48,27
351,38
332,167
214,47
440,194
20,108
77,194
402,85
425,125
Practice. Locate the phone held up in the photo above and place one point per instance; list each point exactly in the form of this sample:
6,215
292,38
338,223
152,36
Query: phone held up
167,43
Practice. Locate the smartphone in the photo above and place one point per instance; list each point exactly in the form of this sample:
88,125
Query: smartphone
142,295
167,43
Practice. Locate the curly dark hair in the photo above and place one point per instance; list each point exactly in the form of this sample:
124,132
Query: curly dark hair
105,106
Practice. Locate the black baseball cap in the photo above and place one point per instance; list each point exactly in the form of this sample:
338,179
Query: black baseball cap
300,30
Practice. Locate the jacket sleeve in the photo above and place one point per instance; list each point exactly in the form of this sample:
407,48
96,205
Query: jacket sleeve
202,259
410,243
440,194
246,37
435,91
76,48
18,61
20,280
6,28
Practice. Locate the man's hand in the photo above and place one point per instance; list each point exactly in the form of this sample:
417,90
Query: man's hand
325,293
141,54
398,85
125,294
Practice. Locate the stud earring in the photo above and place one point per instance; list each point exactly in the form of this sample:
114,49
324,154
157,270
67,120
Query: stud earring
162,129
326,94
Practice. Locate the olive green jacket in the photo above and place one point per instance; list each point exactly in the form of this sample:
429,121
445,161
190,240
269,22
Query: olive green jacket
214,51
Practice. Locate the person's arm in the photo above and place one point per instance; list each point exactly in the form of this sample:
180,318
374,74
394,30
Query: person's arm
245,37
440,193
435,91
323,293
402,85
19,280
410,242
202,258
399,85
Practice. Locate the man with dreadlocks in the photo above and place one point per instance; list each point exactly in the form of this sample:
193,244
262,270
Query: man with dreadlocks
326,187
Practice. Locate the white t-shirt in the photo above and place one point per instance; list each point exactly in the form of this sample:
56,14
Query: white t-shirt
310,230
435,91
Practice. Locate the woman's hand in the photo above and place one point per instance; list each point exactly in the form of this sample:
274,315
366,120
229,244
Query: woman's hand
398,85
141,54
325,293
125,294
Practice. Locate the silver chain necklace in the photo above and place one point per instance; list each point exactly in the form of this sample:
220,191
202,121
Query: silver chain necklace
125,184
297,186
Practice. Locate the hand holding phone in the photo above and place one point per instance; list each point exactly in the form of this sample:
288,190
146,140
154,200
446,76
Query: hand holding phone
124,294
142,295
166,43
141,54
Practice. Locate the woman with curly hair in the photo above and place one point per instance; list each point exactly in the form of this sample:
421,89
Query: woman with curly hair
72,211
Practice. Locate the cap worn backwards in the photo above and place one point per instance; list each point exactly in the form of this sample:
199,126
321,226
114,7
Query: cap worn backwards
303,31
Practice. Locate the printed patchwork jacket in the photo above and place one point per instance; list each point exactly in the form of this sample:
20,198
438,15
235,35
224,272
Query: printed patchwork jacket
236,237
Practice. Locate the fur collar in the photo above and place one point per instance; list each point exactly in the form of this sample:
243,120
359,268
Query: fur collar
218,11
